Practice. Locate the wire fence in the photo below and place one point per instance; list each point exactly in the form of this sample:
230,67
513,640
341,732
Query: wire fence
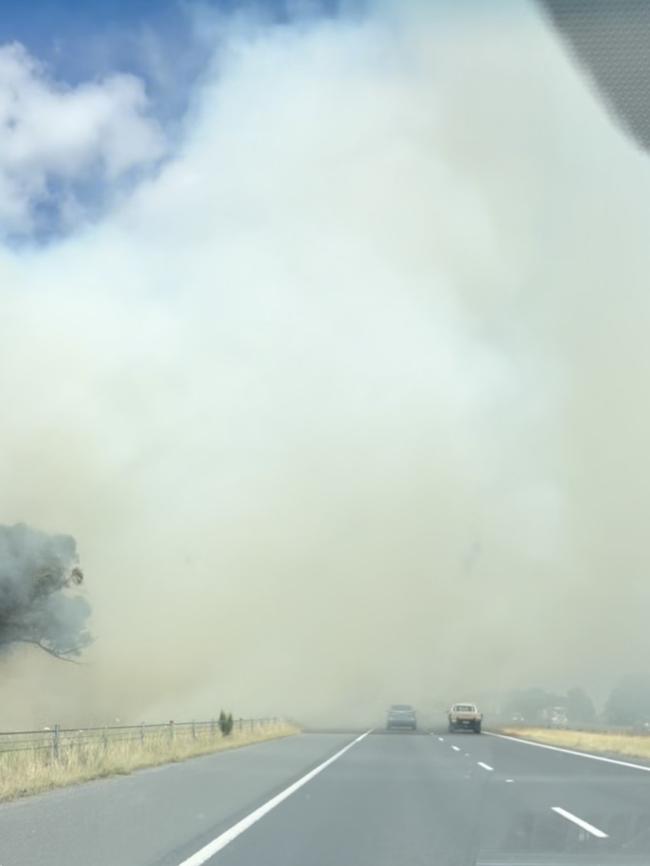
56,739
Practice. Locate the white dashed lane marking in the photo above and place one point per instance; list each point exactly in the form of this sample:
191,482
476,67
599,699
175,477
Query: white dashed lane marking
580,822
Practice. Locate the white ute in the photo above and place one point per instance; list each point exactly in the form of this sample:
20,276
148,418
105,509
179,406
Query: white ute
465,716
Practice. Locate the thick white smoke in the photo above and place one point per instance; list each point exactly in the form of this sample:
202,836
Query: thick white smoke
346,405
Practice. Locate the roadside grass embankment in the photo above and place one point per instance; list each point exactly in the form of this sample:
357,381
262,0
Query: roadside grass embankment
77,758
601,742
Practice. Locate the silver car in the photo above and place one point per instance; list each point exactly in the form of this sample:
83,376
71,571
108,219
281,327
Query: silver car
401,716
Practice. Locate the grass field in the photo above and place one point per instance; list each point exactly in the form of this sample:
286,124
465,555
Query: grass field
614,742
33,770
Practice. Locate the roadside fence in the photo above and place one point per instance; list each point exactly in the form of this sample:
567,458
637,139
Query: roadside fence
57,739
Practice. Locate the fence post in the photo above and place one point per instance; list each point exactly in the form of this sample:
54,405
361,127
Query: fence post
55,743
105,738
171,730
193,729
240,724
212,727
142,732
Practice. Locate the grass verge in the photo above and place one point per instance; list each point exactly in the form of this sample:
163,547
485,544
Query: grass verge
602,742
35,770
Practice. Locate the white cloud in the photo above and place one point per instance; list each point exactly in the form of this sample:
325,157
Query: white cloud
51,134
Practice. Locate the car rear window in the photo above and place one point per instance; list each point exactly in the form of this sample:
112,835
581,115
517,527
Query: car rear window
465,708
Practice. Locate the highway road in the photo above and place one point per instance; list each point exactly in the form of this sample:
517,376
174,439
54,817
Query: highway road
346,799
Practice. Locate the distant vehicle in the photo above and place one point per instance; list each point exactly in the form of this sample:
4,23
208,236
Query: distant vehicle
401,716
517,718
558,718
465,716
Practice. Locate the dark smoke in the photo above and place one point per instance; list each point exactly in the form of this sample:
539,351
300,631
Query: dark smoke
36,569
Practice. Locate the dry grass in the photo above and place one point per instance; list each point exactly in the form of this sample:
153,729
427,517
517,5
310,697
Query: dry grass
613,742
33,770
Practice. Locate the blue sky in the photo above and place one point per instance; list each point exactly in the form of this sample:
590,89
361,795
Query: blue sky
70,45
80,39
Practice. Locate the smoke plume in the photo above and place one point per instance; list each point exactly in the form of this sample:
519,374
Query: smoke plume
346,405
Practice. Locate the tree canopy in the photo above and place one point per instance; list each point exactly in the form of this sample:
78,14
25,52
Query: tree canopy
629,701
38,604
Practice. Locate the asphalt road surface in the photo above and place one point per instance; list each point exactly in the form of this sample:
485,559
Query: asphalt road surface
338,799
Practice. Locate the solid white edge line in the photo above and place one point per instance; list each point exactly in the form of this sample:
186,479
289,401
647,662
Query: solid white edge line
605,760
204,854
456,748
485,766
583,824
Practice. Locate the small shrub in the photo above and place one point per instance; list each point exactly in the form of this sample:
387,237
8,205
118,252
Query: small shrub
225,723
